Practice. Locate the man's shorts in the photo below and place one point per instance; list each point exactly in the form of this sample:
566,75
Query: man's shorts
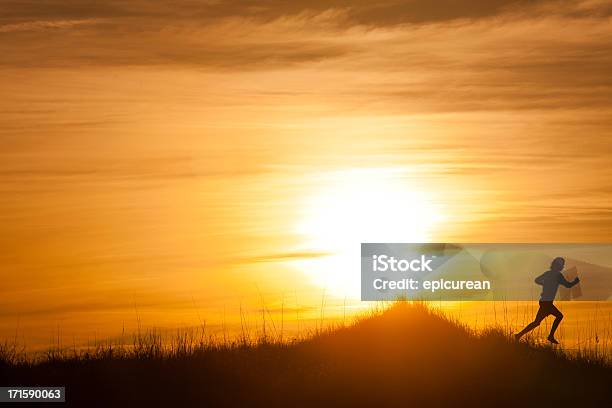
547,308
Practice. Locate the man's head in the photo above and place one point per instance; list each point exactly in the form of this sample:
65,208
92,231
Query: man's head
557,264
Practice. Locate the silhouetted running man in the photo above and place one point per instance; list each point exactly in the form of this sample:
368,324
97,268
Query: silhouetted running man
550,281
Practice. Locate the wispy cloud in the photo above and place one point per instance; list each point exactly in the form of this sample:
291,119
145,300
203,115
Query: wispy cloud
44,25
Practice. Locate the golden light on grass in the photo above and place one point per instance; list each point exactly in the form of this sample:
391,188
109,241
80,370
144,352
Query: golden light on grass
355,206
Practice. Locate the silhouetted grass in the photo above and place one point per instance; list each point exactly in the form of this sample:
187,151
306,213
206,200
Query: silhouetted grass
407,355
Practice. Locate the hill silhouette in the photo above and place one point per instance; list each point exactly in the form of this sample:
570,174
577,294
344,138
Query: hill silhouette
406,356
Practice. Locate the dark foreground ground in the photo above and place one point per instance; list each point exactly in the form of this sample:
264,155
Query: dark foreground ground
407,356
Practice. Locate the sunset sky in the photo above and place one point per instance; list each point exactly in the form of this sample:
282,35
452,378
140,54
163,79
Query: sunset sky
163,156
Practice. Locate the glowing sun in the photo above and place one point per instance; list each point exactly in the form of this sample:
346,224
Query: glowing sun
355,206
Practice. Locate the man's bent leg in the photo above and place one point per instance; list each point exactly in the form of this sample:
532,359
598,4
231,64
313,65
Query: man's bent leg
558,317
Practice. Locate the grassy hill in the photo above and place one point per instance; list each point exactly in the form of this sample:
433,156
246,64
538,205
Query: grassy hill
405,356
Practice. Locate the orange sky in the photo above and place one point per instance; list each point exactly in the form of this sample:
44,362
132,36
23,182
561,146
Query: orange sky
157,155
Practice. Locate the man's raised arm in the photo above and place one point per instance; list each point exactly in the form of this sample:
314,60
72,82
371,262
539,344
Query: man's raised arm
566,283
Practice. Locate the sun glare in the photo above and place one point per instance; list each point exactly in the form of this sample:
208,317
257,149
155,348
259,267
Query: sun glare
355,206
